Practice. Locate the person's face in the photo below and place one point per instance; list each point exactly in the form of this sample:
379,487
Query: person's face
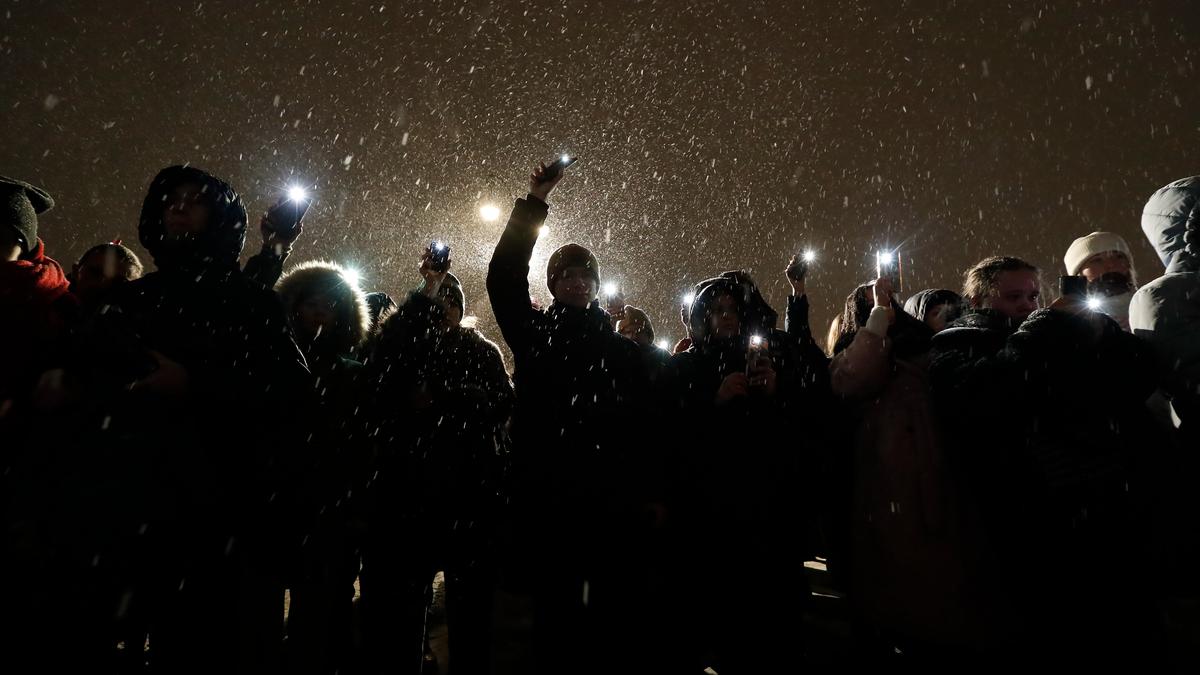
1016,294
186,212
723,319
935,317
98,272
634,330
575,287
315,316
10,249
1106,263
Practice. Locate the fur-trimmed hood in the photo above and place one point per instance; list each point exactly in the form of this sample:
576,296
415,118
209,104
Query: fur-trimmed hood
330,279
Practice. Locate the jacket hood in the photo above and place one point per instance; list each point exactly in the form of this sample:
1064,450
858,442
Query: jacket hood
1171,222
919,304
220,245
755,314
328,279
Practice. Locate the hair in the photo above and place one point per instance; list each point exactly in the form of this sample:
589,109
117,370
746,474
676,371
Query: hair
909,335
853,317
980,281
323,278
831,337
124,256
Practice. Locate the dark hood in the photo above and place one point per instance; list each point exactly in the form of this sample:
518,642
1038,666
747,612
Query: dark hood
919,304
1171,222
219,246
755,314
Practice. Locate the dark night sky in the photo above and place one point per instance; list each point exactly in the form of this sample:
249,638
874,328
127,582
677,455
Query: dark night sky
714,135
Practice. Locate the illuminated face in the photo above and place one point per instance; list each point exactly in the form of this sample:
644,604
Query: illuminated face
723,319
186,212
1106,263
575,287
1016,294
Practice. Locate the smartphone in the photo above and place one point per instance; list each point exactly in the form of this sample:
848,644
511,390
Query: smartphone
887,265
439,256
553,169
757,354
284,217
1070,286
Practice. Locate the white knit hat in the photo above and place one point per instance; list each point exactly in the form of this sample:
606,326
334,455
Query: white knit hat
1097,242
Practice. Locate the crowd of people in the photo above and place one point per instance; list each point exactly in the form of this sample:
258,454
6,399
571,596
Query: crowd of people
184,449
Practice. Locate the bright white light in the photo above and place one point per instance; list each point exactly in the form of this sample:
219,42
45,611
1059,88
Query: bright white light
353,276
297,193
489,212
884,257
543,230
663,344
1093,304
439,246
610,289
566,158
689,299
810,256
756,340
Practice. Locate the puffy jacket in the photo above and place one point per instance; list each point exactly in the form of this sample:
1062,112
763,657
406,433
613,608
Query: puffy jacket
1166,311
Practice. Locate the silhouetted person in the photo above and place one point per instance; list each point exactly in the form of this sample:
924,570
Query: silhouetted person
445,400
914,534
743,411
579,386
199,383
329,317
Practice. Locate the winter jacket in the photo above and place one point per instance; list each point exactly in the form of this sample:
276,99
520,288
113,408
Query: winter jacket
1166,311
445,399
744,470
1046,422
580,386
336,451
915,546
246,379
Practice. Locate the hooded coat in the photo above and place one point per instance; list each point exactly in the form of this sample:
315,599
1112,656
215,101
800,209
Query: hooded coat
230,337
744,475
1166,311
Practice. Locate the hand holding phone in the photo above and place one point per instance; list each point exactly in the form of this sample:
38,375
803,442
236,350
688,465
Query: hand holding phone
283,218
887,266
